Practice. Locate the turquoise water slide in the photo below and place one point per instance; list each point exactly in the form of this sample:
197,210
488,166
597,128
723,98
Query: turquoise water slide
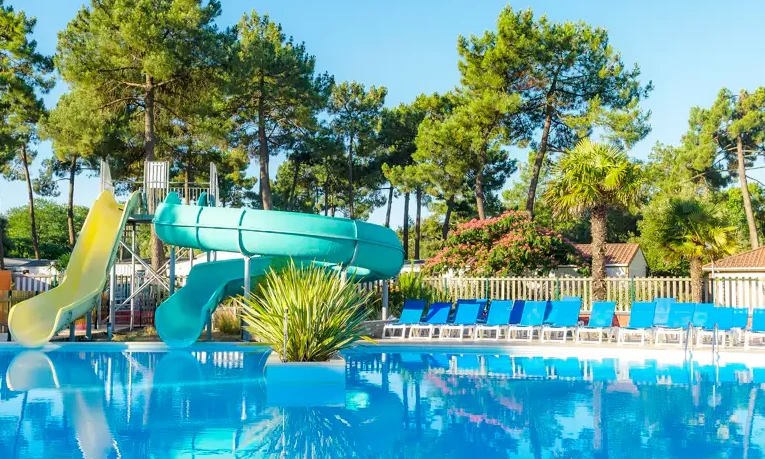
365,250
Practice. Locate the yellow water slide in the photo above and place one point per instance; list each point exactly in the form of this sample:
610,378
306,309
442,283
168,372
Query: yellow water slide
35,321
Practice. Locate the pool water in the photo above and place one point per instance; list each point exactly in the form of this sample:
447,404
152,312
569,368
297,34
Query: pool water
207,403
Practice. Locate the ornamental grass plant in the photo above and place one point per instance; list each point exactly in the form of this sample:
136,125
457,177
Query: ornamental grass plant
325,313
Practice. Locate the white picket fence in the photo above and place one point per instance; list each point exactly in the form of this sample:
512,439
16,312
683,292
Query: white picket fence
746,292
736,292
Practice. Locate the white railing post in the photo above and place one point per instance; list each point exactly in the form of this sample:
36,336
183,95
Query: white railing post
385,287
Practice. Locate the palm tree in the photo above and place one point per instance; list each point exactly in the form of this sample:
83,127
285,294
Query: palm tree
594,178
695,230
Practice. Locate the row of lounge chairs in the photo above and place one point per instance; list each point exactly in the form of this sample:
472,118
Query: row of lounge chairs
662,321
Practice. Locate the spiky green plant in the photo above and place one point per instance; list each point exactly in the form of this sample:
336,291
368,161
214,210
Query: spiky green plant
324,313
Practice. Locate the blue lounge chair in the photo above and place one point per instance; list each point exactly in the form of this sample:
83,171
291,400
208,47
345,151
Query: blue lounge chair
740,322
757,330
497,321
601,318
662,312
564,317
531,320
722,317
641,321
465,319
410,315
517,312
700,314
676,328
437,315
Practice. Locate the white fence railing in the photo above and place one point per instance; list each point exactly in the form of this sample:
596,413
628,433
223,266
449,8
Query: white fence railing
746,292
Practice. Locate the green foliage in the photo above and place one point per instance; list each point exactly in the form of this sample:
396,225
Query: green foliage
570,81
51,226
593,175
510,244
275,92
411,285
693,228
324,313
226,320
355,113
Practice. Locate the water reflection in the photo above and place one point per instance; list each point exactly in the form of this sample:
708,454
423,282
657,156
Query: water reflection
184,404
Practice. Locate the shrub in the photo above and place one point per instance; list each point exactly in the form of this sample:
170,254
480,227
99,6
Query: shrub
226,320
510,244
324,313
412,286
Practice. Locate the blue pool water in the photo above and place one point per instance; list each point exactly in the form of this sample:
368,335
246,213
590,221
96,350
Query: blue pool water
206,403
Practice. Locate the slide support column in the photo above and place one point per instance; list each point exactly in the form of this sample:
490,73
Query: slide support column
132,278
89,325
72,330
385,289
112,299
209,327
247,290
172,270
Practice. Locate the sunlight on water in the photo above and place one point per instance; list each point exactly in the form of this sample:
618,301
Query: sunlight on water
214,404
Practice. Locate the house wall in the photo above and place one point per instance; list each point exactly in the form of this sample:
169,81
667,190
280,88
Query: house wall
638,267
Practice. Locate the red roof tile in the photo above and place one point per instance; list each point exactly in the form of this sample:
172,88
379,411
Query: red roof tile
746,260
619,254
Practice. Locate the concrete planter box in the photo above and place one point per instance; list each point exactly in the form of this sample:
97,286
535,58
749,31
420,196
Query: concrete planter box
296,384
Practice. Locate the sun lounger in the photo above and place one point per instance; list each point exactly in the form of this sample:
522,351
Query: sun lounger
641,321
662,312
497,321
563,318
437,315
757,330
531,320
601,318
676,328
723,318
410,315
465,320
740,322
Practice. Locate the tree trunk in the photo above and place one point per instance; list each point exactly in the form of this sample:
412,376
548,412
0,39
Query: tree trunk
186,180
697,279
417,221
2,250
539,161
598,223
447,217
390,206
35,243
350,175
263,153
326,198
148,119
479,199
291,194
157,250
406,226
753,241
70,202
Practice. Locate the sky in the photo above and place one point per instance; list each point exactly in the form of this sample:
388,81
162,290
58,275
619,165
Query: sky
689,49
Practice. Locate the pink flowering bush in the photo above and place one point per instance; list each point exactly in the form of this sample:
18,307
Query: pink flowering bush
510,244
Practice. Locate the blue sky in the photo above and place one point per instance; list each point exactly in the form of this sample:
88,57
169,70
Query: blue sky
690,49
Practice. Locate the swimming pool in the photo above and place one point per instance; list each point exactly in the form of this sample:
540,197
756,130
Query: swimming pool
99,402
